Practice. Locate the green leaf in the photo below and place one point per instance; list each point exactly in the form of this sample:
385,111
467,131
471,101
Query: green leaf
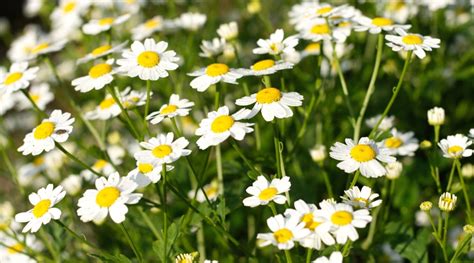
172,235
112,258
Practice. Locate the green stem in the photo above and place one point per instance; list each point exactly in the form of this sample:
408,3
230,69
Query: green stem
373,226
220,175
124,113
276,142
201,240
445,228
74,158
328,184
347,248
11,169
46,241
309,253
370,89
149,223
354,180
451,175
147,104
394,95
272,207
77,236
266,81
467,238
464,191
35,106
131,243
288,256
165,216
246,161
436,134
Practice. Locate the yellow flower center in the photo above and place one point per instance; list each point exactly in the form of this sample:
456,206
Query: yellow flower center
145,168
41,208
268,95
263,64
393,142
18,247
344,24
283,235
341,218
44,130
34,97
308,219
148,59
382,21
38,161
217,69
362,153
39,47
268,193
106,21
320,29
274,47
169,109
455,149
100,164
13,77
152,23
447,200
411,39
99,70
100,50
313,47
222,123
107,196
360,199
211,191
107,103
324,10
69,7
162,151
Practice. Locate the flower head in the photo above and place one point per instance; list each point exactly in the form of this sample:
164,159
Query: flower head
455,146
436,116
361,198
426,206
18,77
99,75
175,107
285,231
412,42
447,202
263,192
164,149
212,74
96,26
276,44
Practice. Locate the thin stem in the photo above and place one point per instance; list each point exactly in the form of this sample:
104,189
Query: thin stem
147,104
451,175
436,134
370,89
131,243
288,256
52,251
467,238
354,180
11,169
149,223
201,240
309,253
124,113
74,158
328,184
347,248
246,161
394,95
220,175
464,191
276,142
266,81
165,216
77,236
35,106
272,207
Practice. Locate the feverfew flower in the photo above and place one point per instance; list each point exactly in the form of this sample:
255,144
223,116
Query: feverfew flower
403,144
377,24
285,231
147,28
212,48
318,153
344,220
386,123
99,75
212,74
43,210
219,125
191,21
361,198
263,192
175,107
335,257
277,44
211,190
272,102
148,60
101,51
96,26
394,170
55,129
228,31
364,156
40,94
455,146
163,149
412,42
14,251
72,184
447,202
111,196
148,171
18,77
436,116
107,109
266,67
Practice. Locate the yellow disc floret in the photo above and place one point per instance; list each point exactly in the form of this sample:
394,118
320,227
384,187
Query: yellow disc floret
217,69
148,59
222,123
263,64
362,153
283,235
99,70
44,130
107,196
41,208
268,95
412,39
341,218
13,77
268,193
162,151
382,21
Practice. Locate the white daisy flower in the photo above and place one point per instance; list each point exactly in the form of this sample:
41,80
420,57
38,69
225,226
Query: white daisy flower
307,214
455,146
364,156
414,42
43,210
40,94
7,102
265,67
14,251
44,46
219,125
361,198
111,196
401,143
99,75
447,202
276,44
55,129
400,10
319,30
148,60
191,21
394,170
175,107
377,24
436,116
72,184
228,31
213,74
101,51
471,133
106,109
312,49
318,153
344,220
148,171
263,192
335,257
147,28
285,231
212,48
272,102
211,190
96,26
18,77
386,123
163,149
133,98
186,257
101,166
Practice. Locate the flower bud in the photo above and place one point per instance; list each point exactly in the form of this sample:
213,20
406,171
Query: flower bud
318,153
447,202
467,170
425,144
436,116
426,206
394,170
468,229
